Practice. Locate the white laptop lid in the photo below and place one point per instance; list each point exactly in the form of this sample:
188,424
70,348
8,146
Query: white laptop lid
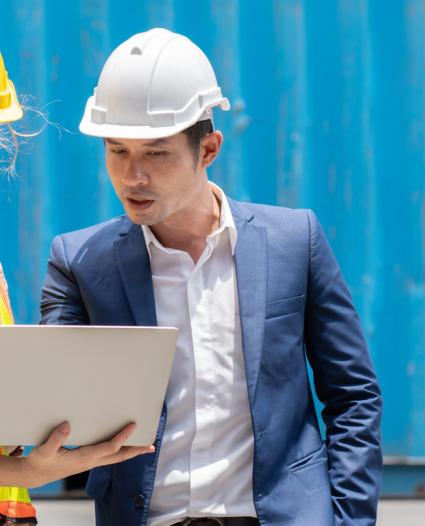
96,378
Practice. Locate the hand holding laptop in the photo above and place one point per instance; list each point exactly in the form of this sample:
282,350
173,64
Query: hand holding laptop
51,461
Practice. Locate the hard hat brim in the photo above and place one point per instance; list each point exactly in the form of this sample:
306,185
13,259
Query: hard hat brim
129,132
12,114
118,131
14,111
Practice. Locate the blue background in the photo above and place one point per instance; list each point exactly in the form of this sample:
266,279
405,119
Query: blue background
328,112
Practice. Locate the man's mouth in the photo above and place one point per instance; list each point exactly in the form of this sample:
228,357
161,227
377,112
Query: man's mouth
138,203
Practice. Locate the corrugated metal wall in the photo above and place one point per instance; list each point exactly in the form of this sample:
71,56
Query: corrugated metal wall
328,112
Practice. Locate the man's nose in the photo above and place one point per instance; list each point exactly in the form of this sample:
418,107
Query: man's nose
136,175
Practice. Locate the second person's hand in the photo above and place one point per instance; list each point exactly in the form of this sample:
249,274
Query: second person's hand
51,461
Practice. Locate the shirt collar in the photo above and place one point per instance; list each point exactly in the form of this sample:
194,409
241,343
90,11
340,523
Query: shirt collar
226,222
226,217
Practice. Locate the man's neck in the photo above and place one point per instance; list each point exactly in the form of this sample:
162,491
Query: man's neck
188,231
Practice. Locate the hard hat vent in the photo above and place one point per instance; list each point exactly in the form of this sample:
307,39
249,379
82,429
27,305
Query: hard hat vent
136,51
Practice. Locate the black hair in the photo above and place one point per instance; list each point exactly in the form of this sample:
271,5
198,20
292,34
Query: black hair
196,133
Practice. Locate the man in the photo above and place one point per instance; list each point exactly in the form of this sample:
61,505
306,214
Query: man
253,290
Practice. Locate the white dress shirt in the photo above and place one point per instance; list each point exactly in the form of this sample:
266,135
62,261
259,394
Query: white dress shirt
206,459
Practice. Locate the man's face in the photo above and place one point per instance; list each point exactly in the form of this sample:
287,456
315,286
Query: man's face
154,179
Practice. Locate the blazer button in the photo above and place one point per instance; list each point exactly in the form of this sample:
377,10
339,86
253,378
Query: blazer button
139,500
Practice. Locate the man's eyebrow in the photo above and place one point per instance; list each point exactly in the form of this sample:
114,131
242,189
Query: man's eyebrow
155,142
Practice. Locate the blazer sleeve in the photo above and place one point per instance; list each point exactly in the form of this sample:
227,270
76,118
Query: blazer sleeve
346,384
61,302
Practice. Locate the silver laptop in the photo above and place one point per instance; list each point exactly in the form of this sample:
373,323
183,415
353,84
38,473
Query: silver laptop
96,378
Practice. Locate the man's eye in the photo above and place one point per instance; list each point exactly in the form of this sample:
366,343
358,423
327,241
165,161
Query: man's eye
118,151
157,153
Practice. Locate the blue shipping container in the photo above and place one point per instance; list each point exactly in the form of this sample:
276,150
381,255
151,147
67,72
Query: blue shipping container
328,112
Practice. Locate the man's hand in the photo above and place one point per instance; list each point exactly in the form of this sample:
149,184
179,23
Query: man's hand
51,461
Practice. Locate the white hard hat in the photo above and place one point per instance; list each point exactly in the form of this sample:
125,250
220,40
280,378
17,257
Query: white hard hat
155,84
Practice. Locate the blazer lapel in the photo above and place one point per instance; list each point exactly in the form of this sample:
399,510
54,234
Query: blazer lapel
251,272
135,271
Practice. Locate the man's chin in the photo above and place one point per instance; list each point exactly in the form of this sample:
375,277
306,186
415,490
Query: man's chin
140,219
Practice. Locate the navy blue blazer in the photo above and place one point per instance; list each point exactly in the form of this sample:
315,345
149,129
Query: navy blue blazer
294,306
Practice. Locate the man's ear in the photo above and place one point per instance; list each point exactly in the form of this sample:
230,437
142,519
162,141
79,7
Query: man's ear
210,147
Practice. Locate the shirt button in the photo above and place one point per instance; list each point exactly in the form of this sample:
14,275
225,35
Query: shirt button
139,500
